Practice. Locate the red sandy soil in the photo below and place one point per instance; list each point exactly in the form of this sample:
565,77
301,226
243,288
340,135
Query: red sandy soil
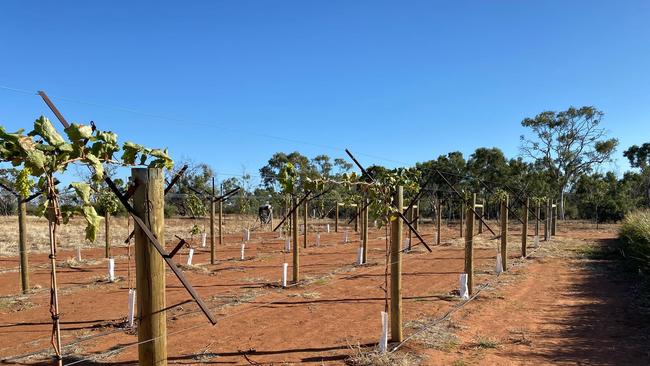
568,313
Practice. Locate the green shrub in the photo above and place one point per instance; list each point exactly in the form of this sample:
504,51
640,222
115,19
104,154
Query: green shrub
635,236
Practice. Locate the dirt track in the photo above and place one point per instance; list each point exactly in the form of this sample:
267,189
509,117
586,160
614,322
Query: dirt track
550,308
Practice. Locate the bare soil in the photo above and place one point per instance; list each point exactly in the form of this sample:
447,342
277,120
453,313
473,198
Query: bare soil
558,306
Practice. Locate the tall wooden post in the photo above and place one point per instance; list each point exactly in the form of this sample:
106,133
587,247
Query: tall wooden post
294,240
22,244
504,233
439,220
524,229
554,218
356,219
469,251
547,220
107,230
148,202
336,219
221,218
304,223
538,212
396,271
364,228
212,223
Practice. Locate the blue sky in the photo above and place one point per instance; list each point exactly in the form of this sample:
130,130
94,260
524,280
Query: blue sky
231,82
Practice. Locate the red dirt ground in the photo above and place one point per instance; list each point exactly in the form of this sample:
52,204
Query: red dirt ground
567,311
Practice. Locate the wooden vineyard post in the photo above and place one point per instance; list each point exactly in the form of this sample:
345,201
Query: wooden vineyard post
469,252
462,212
221,218
364,232
304,223
212,224
107,229
336,219
554,219
537,215
22,244
504,233
294,239
396,271
148,203
524,229
439,220
547,219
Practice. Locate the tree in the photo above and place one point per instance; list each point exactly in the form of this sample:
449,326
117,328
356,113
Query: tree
639,157
568,144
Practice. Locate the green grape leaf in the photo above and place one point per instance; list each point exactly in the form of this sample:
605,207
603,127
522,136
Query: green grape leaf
83,191
77,132
162,159
93,222
98,168
131,151
43,128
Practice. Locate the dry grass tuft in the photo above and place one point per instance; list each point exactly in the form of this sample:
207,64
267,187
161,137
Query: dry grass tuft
375,358
437,336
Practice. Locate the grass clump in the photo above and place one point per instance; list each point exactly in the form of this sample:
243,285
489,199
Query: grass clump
439,336
485,343
376,358
635,237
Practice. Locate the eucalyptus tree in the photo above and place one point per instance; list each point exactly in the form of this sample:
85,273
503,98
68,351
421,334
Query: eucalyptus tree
568,144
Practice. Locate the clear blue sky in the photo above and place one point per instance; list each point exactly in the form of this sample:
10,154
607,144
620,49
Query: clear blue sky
401,80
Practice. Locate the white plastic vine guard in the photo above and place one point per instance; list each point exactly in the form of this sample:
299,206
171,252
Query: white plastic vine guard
111,269
285,266
190,255
464,291
383,337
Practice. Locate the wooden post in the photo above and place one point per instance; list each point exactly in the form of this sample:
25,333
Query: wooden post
547,219
504,233
439,220
356,219
364,228
554,218
304,223
107,230
336,219
538,212
524,229
469,252
22,245
396,271
462,212
294,239
212,254
148,202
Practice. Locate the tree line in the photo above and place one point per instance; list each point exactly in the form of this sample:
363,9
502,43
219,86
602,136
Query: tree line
560,158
